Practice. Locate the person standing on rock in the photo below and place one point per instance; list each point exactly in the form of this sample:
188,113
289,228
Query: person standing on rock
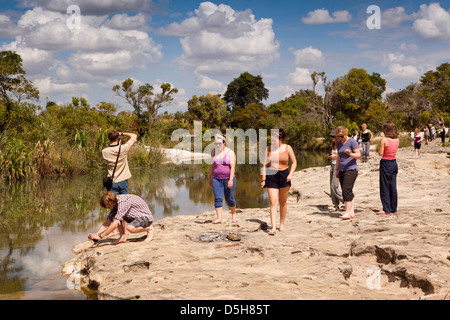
366,139
128,207
335,190
388,169
276,176
122,173
347,169
222,179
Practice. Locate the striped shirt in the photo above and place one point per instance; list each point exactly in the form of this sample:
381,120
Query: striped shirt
130,207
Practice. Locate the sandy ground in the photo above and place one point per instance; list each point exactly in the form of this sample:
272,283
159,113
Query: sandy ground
318,256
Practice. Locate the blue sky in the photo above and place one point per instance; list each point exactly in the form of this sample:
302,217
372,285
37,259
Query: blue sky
200,47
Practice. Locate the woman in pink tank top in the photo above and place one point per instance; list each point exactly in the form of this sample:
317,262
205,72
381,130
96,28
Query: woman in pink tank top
388,169
222,179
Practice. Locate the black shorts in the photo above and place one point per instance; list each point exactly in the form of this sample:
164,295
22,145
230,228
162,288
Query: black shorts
417,145
277,179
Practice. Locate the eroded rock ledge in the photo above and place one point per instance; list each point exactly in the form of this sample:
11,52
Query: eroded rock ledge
406,256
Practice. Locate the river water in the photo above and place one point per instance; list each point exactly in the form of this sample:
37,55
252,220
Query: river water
41,221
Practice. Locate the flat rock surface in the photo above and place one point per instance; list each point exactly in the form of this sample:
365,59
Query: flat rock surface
318,256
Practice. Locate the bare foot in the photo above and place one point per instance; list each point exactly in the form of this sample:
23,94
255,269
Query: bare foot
122,239
347,216
149,234
217,221
112,234
272,232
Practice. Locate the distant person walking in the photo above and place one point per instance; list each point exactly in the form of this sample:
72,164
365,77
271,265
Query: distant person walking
276,176
222,177
426,134
443,135
388,169
417,142
366,138
335,189
347,169
432,132
122,173
411,137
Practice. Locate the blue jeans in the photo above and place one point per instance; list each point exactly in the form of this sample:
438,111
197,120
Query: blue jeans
220,188
120,187
388,185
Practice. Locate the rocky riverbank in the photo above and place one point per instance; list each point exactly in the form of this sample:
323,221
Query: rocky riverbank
318,256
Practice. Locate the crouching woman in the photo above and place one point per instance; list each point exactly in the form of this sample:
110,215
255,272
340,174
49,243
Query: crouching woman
129,207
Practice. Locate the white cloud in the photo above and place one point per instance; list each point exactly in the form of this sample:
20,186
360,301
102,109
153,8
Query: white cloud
100,48
47,30
107,64
49,87
321,16
218,40
35,61
301,77
400,67
7,27
408,47
97,7
309,57
211,85
432,23
125,22
393,17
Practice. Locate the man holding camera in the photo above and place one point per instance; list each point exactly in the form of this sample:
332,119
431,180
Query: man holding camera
110,154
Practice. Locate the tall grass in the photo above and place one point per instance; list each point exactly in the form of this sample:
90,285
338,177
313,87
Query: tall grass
146,153
82,155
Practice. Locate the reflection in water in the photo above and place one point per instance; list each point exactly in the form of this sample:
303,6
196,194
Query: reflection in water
41,221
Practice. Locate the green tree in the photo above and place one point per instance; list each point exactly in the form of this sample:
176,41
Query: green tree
135,97
435,87
144,102
244,90
250,117
291,106
14,87
209,109
159,100
323,105
407,103
379,83
353,93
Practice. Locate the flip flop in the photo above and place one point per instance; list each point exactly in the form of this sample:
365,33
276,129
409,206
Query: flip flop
271,233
